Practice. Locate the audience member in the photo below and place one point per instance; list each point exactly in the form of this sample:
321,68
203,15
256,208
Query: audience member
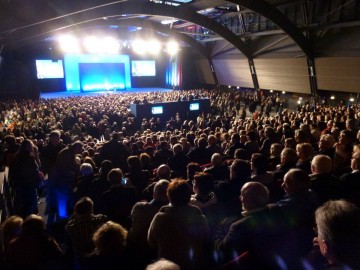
338,234
179,231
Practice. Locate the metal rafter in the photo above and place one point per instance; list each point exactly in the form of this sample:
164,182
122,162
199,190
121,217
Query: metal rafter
134,7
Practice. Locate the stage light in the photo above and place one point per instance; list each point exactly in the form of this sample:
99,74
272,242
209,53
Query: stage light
351,99
332,97
153,47
138,46
172,47
110,45
93,44
69,44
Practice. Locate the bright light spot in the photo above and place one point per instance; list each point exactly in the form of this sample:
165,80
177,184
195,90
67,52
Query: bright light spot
283,92
352,99
169,21
138,46
237,87
93,44
153,47
300,98
172,47
69,44
229,86
271,91
332,97
299,102
110,45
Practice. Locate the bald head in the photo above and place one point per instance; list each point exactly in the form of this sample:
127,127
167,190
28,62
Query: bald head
254,195
295,181
321,164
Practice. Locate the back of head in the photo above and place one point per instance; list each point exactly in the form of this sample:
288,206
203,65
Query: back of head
204,183
179,192
110,239
163,172
240,169
192,169
115,176
160,190
259,163
106,167
216,160
11,228
177,148
163,264
84,206
33,225
254,195
134,163
321,164
86,169
202,143
289,155
296,181
338,224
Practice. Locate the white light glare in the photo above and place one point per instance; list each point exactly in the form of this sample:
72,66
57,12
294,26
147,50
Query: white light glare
110,45
283,92
332,97
153,47
138,46
69,44
92,44
352,99
172,47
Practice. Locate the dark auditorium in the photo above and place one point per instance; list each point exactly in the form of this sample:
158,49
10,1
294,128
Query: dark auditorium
180,135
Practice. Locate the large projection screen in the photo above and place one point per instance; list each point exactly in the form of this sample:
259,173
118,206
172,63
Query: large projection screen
101,76
72,67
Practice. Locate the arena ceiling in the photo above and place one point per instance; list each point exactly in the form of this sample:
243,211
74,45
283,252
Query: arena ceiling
212,27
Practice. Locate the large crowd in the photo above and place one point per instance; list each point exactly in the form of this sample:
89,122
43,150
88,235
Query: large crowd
240,187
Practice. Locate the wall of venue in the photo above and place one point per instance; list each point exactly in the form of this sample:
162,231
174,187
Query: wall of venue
338,73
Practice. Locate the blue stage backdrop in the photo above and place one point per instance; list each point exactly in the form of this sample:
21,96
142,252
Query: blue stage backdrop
93,72
102,76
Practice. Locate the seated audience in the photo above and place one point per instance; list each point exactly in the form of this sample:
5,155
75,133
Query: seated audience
179,231
33,248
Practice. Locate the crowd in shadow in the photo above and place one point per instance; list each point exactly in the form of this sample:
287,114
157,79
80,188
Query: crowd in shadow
240,187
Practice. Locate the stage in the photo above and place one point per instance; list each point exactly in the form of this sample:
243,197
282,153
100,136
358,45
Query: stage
65,94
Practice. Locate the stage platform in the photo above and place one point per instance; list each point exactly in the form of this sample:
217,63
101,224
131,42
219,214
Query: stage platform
65,94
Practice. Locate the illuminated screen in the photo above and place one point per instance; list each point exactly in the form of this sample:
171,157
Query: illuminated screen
48,69
194,106
87,78
143,68
157,110
102,76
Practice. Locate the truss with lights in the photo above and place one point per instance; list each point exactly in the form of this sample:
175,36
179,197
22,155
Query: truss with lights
110,45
